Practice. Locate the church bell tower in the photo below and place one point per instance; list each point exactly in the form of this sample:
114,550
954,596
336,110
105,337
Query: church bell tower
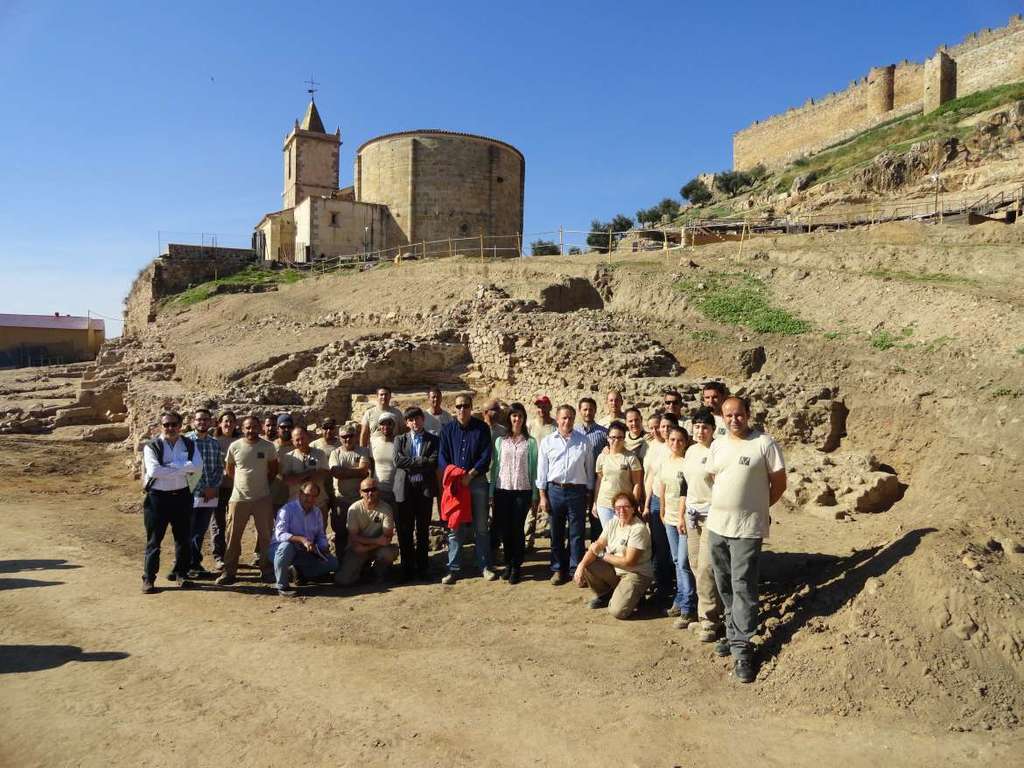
310,159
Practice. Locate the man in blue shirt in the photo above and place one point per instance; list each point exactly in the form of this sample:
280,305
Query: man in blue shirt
565,477
301,541
466,443
206,495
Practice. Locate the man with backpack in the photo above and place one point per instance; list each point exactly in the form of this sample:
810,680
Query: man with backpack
171,464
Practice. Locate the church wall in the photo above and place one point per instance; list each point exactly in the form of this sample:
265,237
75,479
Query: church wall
347,228
315,166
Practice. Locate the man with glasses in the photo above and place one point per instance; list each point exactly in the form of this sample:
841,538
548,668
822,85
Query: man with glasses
672,402
206,495
169,462
371,529
371,419
565,477
349,464
466,443
252,464
300,540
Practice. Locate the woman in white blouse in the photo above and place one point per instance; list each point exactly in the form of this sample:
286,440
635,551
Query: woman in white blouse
513,488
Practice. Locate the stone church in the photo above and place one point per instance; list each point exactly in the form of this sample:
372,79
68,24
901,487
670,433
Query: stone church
410,188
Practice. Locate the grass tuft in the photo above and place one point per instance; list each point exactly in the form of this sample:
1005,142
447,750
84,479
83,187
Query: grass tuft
740,300
248,276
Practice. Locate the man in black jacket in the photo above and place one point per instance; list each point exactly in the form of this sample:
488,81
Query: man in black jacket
416,456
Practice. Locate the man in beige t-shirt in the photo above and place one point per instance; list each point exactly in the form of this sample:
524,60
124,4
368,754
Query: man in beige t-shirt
371,529
348,464
251,462
371,418
750,476
304,462
614,405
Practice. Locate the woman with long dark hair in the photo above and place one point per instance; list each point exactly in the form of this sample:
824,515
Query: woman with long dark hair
513,488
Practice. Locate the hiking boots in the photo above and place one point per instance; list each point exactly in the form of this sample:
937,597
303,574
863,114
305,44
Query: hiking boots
744,669
601,601
722,648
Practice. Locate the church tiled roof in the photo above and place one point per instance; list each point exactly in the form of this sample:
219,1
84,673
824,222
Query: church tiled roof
311,121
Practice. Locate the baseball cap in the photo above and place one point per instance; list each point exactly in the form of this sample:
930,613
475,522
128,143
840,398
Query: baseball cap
543,400
284,418
386,416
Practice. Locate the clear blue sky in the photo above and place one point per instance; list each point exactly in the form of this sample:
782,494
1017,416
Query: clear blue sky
124,119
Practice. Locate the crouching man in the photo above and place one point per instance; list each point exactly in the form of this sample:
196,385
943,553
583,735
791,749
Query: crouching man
301,541
371,529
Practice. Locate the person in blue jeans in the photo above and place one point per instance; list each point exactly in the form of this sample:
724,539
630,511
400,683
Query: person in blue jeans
670,488
300,541
466,443
565,479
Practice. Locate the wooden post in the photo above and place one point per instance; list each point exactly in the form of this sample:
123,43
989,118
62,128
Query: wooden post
519,244
561,240
450,251
609,239
481,246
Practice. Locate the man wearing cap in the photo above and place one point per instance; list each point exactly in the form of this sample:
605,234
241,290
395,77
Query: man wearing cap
416,458
371,418
371,529
435,417
466,444
749,477
540,427
615,412
565,478
348,464
382,450
300,540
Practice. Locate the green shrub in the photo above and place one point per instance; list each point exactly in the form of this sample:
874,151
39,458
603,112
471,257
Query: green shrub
740,300
696,191
545,248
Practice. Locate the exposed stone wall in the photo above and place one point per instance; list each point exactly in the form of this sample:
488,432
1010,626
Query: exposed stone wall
439,185
175,270
311,165
339,227
982,61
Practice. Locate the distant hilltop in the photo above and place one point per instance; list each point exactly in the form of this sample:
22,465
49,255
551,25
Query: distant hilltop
982,61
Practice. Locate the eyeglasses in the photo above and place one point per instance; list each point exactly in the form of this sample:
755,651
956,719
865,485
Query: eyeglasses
672,402
368,490
623,508
461,406
170,424
347,436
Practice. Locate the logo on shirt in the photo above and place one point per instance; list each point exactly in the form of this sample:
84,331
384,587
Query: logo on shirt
744,461
259,454
704,460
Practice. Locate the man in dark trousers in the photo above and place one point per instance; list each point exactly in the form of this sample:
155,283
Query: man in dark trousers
416,457
169,460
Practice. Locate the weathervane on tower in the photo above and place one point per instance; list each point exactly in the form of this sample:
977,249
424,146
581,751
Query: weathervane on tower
312,89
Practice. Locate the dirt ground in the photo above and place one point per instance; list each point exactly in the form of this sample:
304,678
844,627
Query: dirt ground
92,672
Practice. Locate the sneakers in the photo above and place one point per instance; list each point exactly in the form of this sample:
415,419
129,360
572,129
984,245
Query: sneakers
601,601
286,592
448,579
218,564
489,575
685,620
224,580
722,648
672,611
744,669
558,578
708,634
148,588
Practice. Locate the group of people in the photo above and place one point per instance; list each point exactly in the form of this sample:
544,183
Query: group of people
669,509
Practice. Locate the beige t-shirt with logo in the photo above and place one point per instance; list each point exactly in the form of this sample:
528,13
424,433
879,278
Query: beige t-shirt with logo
698,479
652,461
739,495
250,462
670,475
294,463
373,413
383,453
720,429
636,535
347,487
370,522
614,469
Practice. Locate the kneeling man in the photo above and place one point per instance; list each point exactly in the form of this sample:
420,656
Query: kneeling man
371,529
301,541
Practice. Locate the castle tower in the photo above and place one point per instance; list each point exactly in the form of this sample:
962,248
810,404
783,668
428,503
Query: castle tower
881,90
939,81
310,159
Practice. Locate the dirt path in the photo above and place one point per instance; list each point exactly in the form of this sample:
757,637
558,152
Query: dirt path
94,673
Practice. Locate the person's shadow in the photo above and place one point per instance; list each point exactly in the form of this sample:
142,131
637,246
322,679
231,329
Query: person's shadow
34,658
15,566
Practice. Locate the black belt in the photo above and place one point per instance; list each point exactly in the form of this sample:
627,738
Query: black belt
175,491
568,485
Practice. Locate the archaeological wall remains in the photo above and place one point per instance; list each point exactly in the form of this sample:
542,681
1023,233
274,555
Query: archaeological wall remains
984,60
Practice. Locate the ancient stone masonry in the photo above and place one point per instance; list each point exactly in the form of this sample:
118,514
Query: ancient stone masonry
984,60
174,271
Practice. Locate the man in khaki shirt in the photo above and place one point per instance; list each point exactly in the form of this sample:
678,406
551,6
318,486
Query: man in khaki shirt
306,463
371,529
371,419
251,462
348,465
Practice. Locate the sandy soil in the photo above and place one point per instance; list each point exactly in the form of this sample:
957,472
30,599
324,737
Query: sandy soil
478,674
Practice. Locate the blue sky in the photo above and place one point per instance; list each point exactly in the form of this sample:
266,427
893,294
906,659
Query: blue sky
123,120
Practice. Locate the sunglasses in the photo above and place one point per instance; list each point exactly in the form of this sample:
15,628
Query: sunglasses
347,436
170,424
461,406
672,402
368,490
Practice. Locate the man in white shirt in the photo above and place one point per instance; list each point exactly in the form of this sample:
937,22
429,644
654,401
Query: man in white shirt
169,460
712,396
435,417
615,412
371,418
750,476
565,477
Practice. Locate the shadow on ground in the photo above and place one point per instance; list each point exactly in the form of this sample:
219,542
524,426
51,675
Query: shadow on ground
35,658
16,566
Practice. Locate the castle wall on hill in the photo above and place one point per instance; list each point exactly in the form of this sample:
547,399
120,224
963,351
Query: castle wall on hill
173,272
984,60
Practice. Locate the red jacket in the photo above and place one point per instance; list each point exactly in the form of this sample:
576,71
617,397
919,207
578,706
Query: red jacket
456,503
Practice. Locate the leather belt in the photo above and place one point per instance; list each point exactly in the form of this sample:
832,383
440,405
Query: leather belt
568,485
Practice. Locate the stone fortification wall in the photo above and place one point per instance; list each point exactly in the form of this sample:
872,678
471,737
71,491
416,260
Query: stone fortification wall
439,184
982,61
173,272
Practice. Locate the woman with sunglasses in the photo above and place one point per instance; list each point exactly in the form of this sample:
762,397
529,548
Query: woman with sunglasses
617,471
617,567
